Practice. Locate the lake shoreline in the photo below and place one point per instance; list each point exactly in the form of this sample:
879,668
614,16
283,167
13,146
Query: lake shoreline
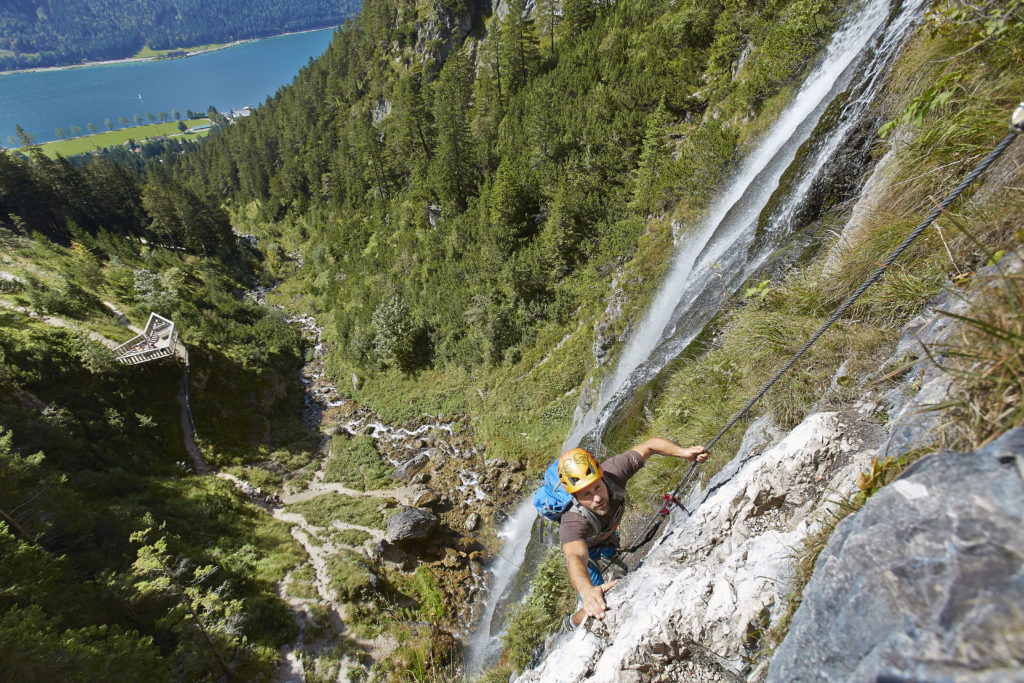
137,60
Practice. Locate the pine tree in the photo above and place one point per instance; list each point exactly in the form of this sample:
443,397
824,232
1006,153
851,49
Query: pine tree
451,170
414,124
202,613
547,13
653,158
578,15
518,45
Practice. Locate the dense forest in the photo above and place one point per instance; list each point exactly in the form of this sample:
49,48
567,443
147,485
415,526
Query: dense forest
458,205
59,32
474,205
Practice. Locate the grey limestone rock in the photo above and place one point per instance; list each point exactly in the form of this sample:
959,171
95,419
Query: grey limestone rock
926,582
411,524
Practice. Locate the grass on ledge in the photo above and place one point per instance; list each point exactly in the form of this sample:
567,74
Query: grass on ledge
323,510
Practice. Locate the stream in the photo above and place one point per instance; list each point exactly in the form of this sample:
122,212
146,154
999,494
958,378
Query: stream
774,192
438,466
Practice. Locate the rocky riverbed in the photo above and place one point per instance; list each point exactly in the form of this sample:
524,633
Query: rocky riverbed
441,511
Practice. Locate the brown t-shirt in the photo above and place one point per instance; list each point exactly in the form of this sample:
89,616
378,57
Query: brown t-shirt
574,526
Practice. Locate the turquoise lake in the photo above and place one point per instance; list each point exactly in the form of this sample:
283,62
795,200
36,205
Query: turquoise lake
234,77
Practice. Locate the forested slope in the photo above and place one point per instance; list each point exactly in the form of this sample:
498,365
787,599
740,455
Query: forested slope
115,561
59,32
461,184
475,206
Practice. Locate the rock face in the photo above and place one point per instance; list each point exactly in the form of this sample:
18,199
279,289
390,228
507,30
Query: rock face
712,578
925,583
411,524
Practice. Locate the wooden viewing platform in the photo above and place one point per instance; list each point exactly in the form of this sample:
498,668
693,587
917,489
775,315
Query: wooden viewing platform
158,340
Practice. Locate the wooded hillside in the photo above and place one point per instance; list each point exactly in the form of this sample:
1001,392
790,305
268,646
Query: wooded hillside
474,207
449,208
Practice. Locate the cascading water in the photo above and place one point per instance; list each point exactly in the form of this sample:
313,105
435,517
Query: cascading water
732,242
484,646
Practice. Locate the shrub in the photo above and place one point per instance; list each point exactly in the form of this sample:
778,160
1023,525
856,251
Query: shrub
352,577
551,598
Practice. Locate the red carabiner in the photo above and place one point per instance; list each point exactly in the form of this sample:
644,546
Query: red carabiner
670,500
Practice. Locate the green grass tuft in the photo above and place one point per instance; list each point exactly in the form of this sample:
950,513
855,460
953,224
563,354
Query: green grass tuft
323,510
355,463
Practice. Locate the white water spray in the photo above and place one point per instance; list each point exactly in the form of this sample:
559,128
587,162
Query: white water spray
728,229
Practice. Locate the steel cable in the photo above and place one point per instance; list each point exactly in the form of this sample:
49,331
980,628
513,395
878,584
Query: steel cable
1017,122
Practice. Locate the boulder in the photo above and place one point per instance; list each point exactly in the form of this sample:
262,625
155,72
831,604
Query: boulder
411,524
926,582
410,468
422,496
472,521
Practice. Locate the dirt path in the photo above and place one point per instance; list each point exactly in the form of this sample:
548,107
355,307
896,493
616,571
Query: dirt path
121,317
63,323
198,463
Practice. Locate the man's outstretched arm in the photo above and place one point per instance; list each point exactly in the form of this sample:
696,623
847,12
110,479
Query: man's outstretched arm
659,446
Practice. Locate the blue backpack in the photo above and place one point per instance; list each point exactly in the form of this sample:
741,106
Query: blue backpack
551,499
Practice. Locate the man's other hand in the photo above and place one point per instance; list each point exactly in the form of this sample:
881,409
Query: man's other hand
593,600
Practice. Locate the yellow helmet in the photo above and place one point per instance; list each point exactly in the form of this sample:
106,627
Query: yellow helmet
578,469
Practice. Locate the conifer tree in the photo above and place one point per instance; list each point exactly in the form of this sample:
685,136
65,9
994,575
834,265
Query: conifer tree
451,170
518,45
547,14
653,158
202,613
578,15
413,118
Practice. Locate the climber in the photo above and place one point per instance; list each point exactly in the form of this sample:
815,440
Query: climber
587,530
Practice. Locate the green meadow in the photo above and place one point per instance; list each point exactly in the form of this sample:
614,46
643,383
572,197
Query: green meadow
113,138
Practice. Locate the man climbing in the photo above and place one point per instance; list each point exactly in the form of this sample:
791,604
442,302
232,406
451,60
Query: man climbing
588,529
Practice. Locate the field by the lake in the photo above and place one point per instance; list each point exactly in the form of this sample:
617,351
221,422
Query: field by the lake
148,53
113,138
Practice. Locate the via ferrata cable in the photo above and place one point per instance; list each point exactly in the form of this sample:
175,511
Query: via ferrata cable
1016,128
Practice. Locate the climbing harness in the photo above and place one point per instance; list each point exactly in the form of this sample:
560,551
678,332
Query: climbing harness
1016,128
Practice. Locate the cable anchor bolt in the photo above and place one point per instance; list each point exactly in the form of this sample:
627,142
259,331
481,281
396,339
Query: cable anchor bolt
1017,118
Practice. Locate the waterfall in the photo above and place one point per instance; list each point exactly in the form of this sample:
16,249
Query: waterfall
484,646
730,244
